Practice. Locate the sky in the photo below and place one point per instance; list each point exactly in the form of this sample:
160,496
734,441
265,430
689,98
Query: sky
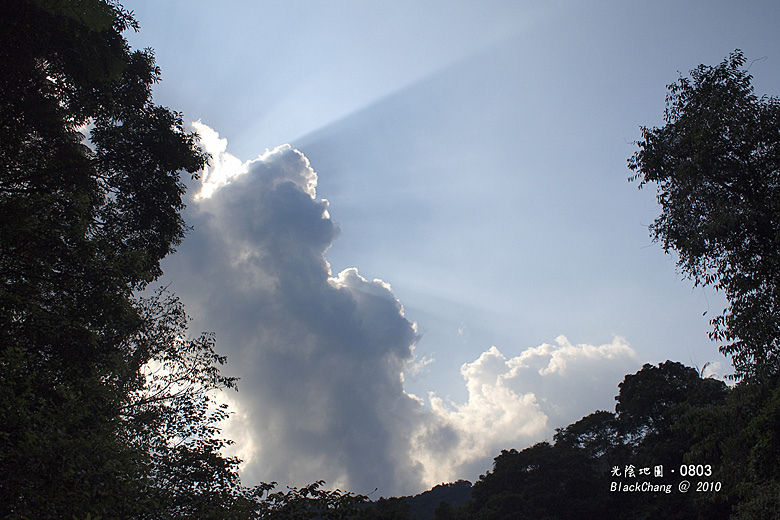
417,243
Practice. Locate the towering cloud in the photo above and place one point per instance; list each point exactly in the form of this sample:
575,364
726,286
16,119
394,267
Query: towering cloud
321,357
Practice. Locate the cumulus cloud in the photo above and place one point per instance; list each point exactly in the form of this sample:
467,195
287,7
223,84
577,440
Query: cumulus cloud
322,356
517,401
223,165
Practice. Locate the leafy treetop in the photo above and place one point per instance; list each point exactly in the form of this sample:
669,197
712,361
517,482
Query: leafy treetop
716,165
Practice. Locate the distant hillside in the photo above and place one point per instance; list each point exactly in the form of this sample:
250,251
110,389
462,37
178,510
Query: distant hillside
423,505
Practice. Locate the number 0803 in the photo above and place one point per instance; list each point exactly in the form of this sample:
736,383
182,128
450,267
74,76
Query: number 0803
696,470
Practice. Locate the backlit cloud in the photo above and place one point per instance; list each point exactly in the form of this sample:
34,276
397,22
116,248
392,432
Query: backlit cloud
515,402
322,356
223,165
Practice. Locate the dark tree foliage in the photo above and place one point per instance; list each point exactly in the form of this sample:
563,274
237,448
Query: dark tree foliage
307,503
169,417
742,434
716,165
83,224
540,482
599,435
656,422
388,509
445,511
653,411
652,401
646,423
106,403
424,505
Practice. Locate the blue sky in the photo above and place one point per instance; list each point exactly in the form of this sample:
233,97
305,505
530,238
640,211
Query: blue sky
473,159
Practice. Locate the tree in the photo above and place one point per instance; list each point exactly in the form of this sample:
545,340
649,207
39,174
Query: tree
741,435
716,164
106,402
84,222
599,435
170,416
306,503
445,511
658,421
654,411
651,402
542,481
388,509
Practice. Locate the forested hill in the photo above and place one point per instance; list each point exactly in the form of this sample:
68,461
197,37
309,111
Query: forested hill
425,506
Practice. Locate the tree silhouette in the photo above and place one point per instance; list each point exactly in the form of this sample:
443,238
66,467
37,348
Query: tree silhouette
716,165
106,402
653,425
